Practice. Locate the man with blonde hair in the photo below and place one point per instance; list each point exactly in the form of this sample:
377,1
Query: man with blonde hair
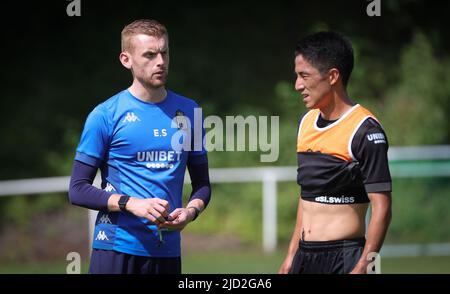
129,137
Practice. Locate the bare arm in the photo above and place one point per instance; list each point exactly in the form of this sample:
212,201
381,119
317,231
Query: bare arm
295,239
378,226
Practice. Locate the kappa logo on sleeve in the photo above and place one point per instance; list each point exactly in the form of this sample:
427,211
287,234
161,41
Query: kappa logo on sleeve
377,138
109,188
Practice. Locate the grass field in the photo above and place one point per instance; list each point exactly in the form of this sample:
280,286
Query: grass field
249,262
266,264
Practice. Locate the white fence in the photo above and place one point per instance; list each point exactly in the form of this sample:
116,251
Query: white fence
269,177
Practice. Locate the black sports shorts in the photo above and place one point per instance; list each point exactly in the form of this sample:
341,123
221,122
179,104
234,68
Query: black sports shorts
327,257
113,262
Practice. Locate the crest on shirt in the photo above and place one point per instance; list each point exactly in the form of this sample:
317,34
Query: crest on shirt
181,120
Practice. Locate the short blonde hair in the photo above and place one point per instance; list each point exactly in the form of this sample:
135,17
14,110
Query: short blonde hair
148,27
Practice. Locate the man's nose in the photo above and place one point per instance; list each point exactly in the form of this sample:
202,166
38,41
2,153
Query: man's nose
299,86
160,59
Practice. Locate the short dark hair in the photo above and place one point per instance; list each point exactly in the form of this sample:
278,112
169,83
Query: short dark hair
327,50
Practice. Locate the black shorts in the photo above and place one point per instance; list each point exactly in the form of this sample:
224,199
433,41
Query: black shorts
327,257
113,262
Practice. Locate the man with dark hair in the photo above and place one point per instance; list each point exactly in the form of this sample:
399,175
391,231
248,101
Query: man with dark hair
129,138
342,166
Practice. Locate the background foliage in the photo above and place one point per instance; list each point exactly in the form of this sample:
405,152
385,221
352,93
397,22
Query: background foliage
234,58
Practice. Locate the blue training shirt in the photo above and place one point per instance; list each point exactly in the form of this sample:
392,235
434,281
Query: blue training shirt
141,149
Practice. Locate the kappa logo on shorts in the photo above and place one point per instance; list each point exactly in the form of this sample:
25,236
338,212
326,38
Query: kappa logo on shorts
104,219
101,236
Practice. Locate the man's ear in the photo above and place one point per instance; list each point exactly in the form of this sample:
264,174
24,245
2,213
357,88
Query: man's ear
333,76
125,59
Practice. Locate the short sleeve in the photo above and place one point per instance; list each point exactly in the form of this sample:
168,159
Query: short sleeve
95,138
370,147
